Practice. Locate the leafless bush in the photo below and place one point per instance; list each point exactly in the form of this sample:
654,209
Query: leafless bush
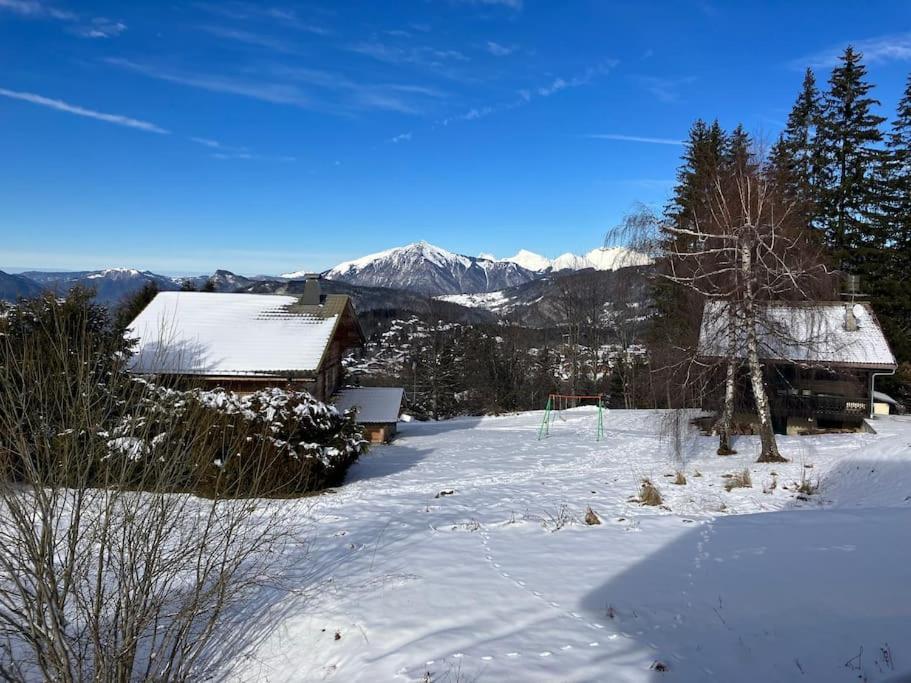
110,569
806,487
554,520
740,480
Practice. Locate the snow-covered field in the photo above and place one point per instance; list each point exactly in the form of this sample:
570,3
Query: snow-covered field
459,554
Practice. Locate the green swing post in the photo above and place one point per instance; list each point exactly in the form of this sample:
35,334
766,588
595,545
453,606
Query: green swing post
544,430
600,433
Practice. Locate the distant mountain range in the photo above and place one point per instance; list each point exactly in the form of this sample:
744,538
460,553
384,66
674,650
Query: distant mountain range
412,276
433,271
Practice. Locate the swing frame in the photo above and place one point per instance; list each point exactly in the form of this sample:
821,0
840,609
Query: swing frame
556,403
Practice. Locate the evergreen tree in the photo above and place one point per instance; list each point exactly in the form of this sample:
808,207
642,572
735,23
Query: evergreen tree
892,254
846,144
738,149
134,305
795,160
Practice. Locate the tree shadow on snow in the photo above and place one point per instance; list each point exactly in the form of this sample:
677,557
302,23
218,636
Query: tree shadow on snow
385,461
794,595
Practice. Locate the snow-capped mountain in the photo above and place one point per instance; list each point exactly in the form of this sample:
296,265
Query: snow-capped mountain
430,270
602,258
111,285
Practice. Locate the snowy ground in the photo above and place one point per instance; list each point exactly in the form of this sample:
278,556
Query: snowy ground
459,554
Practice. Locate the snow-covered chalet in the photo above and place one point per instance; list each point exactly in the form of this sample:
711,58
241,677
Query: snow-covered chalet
246,342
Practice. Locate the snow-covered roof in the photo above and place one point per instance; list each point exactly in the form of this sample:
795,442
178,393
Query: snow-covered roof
823,333
203,333
374,404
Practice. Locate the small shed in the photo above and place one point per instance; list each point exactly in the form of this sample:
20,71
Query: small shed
378,410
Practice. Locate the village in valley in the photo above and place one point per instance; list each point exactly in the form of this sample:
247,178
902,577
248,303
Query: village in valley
682,452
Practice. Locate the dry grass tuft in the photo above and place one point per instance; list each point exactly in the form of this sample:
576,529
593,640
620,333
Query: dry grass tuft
680,479
591,517
741,480
649,494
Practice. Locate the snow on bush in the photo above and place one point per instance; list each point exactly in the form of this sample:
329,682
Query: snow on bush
271,442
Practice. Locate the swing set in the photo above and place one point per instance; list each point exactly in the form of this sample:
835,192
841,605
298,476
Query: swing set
556,403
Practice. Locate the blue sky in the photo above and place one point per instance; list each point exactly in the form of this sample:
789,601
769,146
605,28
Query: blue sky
266,137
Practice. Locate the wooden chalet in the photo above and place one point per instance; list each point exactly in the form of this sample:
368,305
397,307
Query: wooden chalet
820,361
246,342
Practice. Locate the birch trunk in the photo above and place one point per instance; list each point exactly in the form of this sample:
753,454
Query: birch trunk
769,452
727,413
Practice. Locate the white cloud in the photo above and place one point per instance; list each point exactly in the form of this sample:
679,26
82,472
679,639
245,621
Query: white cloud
401,137
634,138
665,89
60,105
509,4
36,9
498,50
877,50
97,27
526,96
277,93
251,38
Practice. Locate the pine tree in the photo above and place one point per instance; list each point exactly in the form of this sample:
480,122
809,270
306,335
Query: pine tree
794,160
846,144
738,153
892,255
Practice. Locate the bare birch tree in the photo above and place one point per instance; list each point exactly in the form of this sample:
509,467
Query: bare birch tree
744,245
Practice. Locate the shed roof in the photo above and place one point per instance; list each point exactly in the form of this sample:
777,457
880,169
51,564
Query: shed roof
812,334
202,333
374,404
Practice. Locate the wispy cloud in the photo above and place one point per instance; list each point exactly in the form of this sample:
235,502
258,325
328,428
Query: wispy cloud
402,137
297,86
634,138
226,152
509,4
276,93
525,96
251,38
36,9
498,50
419,55
877,50
665,89
246,12
60,105
97,27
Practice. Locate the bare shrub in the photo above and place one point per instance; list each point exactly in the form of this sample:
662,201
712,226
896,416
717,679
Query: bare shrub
112,570
772,485
554,520
807,487
740,480
680,478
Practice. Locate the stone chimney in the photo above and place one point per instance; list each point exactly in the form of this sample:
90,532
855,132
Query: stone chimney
312,290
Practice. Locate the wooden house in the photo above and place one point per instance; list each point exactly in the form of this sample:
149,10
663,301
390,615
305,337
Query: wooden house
246,342
820,360
378,410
